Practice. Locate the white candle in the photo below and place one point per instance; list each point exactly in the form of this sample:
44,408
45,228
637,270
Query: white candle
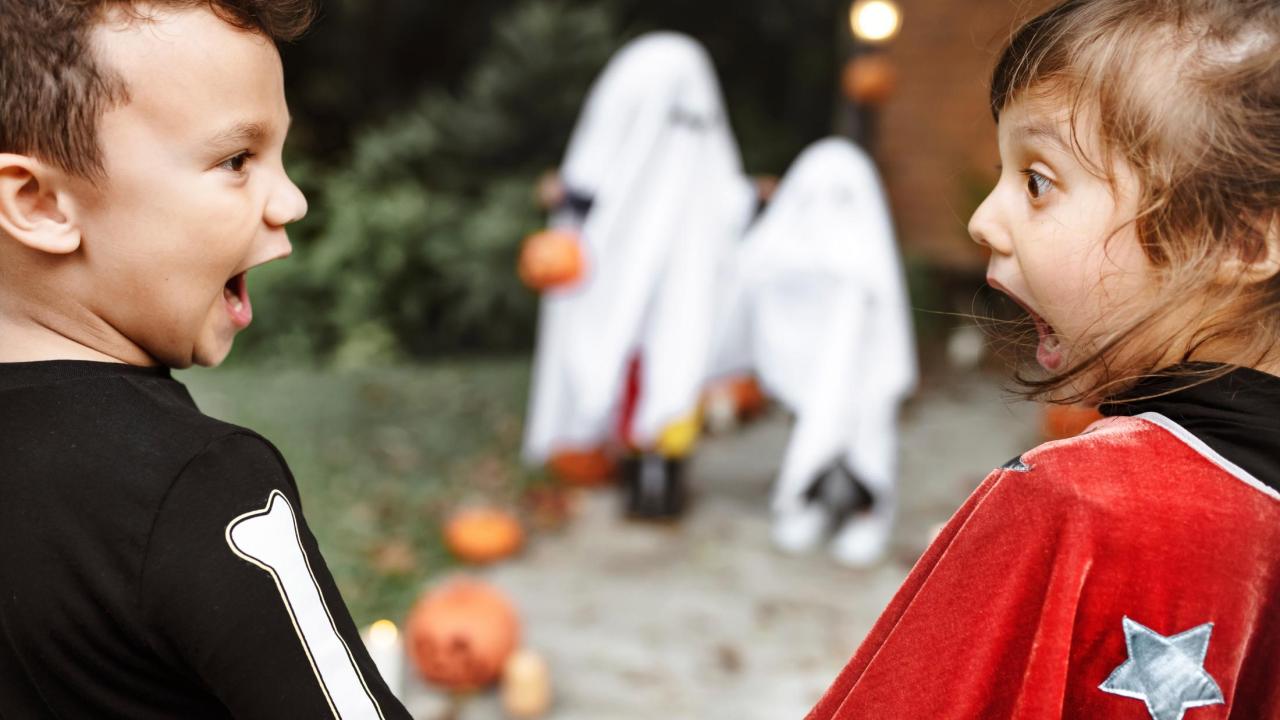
387,650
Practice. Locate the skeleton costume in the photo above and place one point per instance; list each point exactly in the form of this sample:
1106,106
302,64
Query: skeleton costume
1127,573
657,193
819,310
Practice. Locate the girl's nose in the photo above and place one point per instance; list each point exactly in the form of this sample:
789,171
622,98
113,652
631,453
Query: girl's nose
985,229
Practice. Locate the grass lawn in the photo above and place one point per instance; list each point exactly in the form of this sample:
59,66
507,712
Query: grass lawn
380,455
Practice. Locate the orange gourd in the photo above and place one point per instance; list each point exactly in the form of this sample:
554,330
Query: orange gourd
1064,421
551,258
868,79
483,535
460,634
582,468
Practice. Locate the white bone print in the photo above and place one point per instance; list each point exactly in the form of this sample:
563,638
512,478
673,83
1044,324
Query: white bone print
269,539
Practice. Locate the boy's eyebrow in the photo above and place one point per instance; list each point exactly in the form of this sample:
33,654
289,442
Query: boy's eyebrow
242,133
1042,131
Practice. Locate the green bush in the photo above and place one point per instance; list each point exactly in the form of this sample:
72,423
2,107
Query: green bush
411,245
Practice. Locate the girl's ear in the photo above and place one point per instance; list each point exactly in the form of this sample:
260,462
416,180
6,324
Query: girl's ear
1263,266
34,206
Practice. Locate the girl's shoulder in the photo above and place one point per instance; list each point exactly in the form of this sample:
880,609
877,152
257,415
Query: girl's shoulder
1145,470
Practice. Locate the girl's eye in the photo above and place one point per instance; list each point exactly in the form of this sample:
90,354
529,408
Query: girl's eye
237,162
1037,184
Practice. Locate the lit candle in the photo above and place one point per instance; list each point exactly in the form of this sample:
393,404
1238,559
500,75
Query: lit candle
385,647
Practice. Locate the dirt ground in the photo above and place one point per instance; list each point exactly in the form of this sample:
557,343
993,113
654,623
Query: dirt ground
704,619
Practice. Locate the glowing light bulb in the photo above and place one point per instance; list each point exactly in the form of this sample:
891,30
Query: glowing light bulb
875,21
383,633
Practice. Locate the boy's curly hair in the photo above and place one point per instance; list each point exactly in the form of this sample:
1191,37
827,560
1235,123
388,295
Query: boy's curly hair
1187,94
53,90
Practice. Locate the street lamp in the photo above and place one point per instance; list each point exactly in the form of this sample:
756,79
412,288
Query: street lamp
875,21
868,76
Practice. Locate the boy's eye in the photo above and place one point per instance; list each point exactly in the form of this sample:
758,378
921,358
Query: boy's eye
1037,184
236,162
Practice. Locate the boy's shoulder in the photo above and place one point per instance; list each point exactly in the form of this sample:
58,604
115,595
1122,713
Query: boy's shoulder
140,424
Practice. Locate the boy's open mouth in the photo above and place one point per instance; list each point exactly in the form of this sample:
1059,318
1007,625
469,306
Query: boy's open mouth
1049,350
236,295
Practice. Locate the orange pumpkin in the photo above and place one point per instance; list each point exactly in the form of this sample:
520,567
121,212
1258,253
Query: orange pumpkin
582,468
1064,421
460,634
868,79
748,397
551,258
483,535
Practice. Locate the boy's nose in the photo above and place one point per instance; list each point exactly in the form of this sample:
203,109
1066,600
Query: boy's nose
286,205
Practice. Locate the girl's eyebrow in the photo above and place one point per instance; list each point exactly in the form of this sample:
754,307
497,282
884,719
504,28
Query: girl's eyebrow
1042,131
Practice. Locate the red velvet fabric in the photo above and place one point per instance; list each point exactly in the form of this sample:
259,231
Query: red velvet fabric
1015,610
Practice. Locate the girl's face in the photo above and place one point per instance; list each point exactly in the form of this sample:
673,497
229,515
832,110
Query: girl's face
1061,243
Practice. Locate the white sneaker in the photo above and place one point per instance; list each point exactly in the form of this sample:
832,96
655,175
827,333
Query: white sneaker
863,539
801,530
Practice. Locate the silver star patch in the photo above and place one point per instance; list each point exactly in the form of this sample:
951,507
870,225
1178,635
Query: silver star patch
1166,673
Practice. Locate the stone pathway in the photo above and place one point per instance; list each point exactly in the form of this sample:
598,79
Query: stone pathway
704,619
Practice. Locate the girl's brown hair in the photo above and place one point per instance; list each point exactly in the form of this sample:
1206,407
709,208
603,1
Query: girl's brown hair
1187,93
52,88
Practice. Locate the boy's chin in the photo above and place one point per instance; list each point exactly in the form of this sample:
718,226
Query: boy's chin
211,354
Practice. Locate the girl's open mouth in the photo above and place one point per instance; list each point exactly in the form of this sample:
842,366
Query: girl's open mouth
236,295
1049,351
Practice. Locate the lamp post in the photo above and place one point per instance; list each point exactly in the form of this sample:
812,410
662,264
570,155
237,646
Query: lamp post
867,78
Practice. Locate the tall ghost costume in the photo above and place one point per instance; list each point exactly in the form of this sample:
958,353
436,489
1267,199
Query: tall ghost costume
1129,573
819,309
656,192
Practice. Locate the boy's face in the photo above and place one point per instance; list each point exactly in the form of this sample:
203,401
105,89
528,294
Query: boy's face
195,192
1049,224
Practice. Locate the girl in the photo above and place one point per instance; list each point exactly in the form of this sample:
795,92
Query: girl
1130,572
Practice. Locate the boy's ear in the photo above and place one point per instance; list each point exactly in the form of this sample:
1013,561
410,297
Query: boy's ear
34,208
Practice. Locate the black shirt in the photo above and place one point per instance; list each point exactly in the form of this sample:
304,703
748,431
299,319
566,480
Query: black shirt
155,563
1237,414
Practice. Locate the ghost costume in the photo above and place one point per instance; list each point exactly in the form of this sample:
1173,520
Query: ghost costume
658,196
819,309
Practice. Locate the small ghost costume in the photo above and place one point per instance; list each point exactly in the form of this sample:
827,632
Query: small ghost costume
660,200
819,309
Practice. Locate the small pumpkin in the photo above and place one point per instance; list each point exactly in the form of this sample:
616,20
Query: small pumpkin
748,397
868,79
1064,421
483,534
551,258
582,468
461,634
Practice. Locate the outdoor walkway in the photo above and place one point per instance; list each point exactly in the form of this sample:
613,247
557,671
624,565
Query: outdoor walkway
704,619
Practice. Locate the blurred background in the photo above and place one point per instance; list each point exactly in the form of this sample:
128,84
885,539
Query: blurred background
390,355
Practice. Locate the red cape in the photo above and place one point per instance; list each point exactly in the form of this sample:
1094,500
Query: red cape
1018,609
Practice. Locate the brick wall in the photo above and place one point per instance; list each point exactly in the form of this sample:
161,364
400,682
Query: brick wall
936,139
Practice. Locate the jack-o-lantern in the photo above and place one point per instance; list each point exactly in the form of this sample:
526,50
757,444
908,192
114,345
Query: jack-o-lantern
1064,421
483,535
461,634
582,468
551,258
868,79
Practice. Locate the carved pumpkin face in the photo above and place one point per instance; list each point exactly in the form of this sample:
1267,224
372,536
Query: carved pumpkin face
461,634
551,258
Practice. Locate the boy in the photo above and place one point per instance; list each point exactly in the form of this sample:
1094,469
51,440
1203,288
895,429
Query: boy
154,562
